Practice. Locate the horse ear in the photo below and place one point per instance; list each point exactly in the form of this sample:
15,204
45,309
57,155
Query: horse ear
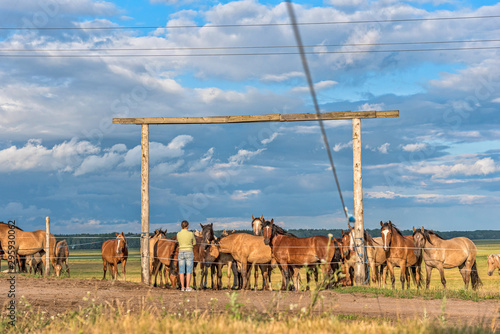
422,229
261,217
212,225
253,217
381,223
414,229
390,223
116,234
342,232
272,221
201,225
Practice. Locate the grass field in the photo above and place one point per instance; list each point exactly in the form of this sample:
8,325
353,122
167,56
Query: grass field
88,264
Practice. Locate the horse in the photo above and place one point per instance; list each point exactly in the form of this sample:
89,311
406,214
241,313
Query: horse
376,258
246,249
199,250
220,259
446,254
114,252
398,252
166,253
153,259
257,230
62,253
26,243
35,263
292,253
348,256
493,263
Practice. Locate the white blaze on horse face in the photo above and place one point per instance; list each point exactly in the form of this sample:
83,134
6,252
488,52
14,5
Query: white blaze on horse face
118,247
351,241
384,238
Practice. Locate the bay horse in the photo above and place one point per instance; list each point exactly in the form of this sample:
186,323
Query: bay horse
292,253
399,253
26,242
158,234
493,263
114,252
221,259
246,249
167,254
62,253
446,254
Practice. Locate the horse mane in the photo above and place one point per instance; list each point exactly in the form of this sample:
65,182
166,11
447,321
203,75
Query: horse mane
367,236
395,228
15,226
280,230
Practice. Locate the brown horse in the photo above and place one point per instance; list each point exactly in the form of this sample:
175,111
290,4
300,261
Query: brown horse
292,253
257,224
348,256
62,253
213,256
26,243
246,249
446,254
376,259
166,253
493,263
399,253
114,252
35,263
158,234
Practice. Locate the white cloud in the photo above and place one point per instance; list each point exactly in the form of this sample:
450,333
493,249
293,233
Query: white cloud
483,166
339,146
158,151
240,195
371,106
270,139
317,86
281,77
204,161
414,147
96,163
429,198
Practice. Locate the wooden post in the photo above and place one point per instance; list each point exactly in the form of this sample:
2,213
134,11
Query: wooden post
145,204
359,269
47,246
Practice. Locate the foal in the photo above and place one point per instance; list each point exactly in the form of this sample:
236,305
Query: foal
114,252
62,254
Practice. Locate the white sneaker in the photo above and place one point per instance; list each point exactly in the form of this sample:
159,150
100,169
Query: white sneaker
189,289
183,289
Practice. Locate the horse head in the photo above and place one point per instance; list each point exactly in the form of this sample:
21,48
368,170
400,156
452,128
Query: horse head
207,233
419,239
347,242
268,231
257,223
213,251
386,232
493,263
121,243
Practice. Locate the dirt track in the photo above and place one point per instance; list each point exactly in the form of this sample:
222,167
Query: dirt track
60,295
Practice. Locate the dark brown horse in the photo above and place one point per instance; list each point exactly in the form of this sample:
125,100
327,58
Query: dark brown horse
445,254
26,243
292,253
62,253
115,252
399,253
257,223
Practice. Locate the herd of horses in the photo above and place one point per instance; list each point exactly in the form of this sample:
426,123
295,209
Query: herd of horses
268,247
27,249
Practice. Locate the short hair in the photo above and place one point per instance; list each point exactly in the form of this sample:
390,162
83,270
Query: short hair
184,224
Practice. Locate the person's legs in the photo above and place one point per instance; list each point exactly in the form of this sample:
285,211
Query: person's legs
189,269
182,269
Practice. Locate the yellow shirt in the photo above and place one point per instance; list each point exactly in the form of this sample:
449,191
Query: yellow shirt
186,240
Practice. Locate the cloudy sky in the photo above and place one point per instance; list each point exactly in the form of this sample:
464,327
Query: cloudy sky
437,165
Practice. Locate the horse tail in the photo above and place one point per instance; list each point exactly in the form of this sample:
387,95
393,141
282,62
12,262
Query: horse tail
173,265
476,281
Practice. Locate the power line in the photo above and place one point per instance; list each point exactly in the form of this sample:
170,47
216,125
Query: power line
256,24
237,54
249,47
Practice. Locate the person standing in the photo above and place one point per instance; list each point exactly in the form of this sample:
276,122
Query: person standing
186,256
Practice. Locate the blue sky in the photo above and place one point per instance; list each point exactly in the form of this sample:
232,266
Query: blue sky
437,165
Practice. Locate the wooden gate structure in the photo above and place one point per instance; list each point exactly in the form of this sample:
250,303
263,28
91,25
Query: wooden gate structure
356,117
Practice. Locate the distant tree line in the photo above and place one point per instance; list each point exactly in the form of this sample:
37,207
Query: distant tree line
94,241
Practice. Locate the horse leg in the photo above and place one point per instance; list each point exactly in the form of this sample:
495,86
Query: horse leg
67,267
441,272
465,272
390,267
256,276
105,265
244,269
428,271
296,278
403,275
124,262
407,275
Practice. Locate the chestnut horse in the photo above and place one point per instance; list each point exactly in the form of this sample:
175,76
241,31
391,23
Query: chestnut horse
246,249
446,254
493,263
62,253
167,254
26,243
115,252
399,253
292,253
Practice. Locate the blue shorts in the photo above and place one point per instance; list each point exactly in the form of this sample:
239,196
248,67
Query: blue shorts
186,262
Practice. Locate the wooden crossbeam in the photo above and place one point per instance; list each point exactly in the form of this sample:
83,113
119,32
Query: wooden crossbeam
336,115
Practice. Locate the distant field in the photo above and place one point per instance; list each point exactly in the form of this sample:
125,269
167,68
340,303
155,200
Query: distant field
88,264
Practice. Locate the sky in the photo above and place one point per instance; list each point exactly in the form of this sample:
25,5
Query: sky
437,165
